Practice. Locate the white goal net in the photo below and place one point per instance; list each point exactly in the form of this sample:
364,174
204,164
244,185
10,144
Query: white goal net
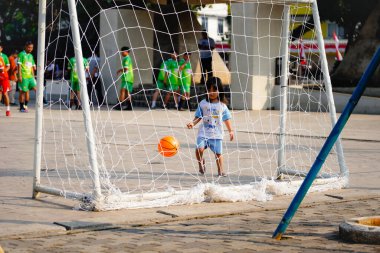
280,121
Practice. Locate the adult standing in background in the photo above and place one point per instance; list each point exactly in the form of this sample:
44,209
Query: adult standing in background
206,45
95,81
13,76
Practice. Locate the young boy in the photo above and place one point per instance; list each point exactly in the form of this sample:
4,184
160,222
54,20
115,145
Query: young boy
127,79
74,81
186,80
26,81
213,111
172,79
4,80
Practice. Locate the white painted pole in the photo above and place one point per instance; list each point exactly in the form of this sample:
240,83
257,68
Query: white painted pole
39,97
91,144
326,76
284,89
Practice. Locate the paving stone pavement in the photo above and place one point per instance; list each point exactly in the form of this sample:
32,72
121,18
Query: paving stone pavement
314,229
27,225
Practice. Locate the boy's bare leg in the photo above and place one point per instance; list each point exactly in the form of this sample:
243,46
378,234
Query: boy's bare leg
199,155
219,163
21,96
26,97
167,98
6,99
78,98
155,95
123,94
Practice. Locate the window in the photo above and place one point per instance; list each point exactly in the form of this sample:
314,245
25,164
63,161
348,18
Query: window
333,27
220,26
205,23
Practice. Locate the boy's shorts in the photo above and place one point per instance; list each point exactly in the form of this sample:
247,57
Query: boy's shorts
75,86
173,87
160,85
126,85
27,84
4,84
214,144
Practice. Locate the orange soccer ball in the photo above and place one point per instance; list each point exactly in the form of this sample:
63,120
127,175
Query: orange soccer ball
168,146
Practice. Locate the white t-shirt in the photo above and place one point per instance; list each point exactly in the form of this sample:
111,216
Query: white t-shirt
213,115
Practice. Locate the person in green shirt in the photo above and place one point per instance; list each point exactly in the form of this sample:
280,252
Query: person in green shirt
127,79
74,81
172,79
186,80
160,83
26,80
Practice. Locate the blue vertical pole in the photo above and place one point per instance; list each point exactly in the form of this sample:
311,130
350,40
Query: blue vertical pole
334,134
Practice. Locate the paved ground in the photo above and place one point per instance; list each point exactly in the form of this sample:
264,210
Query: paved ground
27,225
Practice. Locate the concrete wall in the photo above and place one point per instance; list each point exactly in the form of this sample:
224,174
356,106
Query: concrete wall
256,41
132,28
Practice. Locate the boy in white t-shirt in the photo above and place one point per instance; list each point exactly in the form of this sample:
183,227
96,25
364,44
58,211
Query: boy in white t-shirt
214,112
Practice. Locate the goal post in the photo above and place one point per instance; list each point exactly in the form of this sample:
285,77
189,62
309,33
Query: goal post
108,159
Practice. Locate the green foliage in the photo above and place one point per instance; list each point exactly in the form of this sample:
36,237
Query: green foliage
18,21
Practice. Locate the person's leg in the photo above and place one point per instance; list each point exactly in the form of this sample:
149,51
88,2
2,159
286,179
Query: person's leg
71,97
12,93
6,103
167,98
90,90
27,97
122,97
21,99
203,71
99,91
79,103
208,68
128,100
201,162
219,164
216,146
154,98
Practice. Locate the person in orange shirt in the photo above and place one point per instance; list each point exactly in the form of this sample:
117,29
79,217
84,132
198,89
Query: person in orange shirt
12,73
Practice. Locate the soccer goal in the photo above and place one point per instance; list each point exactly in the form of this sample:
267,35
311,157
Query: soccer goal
270,56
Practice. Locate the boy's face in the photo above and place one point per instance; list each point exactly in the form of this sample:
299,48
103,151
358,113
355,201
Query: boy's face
124,53
213,93
1,49
29,48
186,57
173,56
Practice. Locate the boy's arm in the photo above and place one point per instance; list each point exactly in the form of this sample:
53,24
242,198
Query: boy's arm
166,77
123,70
229,127
19,72
193,123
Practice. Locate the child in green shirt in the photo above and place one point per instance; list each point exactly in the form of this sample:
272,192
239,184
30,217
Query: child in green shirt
127,80
172,79
186,80
74,81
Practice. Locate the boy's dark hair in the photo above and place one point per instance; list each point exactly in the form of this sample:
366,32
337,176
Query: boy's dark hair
1,44
216,83
28,43
124,49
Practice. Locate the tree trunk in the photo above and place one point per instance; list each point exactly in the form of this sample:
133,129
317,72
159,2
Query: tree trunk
358,57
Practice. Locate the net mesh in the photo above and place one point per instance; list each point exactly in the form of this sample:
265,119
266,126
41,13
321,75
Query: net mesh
132,172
